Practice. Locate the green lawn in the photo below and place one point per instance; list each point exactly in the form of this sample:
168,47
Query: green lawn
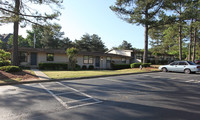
88,73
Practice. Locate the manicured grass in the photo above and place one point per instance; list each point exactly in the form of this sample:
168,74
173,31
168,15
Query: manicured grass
88,73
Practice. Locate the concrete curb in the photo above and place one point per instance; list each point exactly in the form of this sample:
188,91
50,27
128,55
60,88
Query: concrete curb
78,78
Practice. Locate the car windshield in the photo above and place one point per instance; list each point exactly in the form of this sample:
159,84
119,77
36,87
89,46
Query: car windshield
191,63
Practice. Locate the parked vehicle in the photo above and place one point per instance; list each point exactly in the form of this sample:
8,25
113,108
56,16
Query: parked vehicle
197,61
181,66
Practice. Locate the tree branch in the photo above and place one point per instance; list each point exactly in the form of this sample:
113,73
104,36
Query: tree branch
23,14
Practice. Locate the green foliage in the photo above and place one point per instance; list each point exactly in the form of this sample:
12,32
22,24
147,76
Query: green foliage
72,53
4,56
146,64
78,67
10,68
5,63
22,42
84,67
124,46
135,65
91,67
29,13
145,13
53,66
119,66
90,43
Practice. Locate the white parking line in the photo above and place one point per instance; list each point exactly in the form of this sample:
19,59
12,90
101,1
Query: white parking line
73,101
193,81
57,98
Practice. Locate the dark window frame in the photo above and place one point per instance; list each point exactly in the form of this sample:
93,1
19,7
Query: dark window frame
124,60
108,61
23,58
88,60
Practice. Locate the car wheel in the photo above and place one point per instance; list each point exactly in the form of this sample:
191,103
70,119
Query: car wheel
164,69
187,71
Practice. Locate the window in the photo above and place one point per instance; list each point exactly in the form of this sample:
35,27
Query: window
191,63
23,56
50,57
123,60
87,59
182,63
174,63
108,59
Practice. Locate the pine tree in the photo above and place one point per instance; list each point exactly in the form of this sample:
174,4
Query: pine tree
18,11
140,12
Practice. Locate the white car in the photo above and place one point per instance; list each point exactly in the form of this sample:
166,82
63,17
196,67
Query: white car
181,66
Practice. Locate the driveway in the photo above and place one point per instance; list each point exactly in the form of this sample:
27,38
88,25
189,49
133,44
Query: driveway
150,96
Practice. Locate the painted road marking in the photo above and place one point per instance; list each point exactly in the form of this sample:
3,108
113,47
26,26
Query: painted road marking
67,103
56,97
193,81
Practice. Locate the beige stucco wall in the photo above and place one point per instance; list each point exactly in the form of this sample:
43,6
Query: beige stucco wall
62,58
58,58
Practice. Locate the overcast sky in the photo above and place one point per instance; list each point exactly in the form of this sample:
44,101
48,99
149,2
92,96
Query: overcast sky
93,17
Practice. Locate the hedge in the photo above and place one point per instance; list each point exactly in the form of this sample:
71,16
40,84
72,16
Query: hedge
91,67
53,66
146,64
5,63
137,65
11,68
84,67
119,66
78,67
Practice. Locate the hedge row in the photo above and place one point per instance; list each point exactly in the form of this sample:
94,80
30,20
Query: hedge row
120,66
10,68
5,63
137,65
90,67
53,66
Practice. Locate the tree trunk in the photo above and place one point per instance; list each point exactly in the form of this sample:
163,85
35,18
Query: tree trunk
194,46
190,44
15,59
145,55
180,34
180,42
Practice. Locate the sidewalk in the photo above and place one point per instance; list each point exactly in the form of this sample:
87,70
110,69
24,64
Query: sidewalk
40,74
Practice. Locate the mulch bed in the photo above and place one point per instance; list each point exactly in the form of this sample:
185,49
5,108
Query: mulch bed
24,75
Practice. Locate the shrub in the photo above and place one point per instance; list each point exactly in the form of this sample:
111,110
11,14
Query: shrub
135,65
119,66
25,67
91,67
146,64
10,68
84,67
53,66
78,67
5,63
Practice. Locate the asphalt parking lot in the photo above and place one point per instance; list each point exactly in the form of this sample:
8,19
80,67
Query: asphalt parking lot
150,96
